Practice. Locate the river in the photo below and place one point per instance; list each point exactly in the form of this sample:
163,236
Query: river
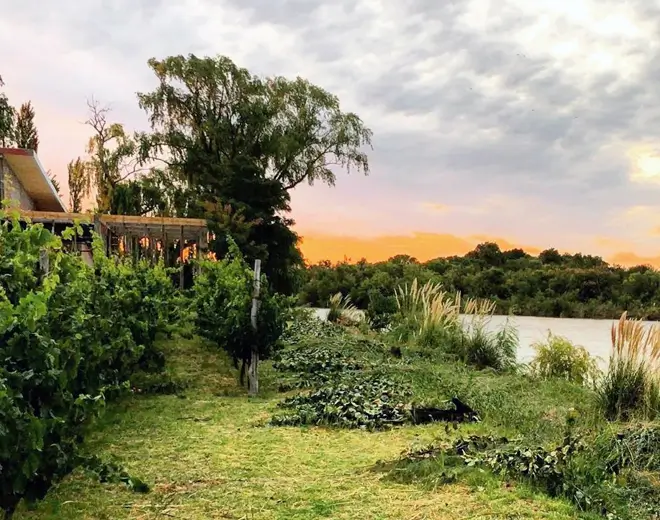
593,335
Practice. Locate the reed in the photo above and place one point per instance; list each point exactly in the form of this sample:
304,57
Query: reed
342,310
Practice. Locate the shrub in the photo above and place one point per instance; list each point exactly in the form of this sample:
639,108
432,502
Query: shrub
380,310
558,358
630,386
70,337
223,300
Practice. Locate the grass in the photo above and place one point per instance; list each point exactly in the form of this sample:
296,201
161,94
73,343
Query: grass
208,454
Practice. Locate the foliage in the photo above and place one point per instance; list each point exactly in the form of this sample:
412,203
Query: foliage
570,286
315,365
430,317
7,119
370,402
484,348
223,299
631,385
70,337
111,156
557,357
79,184
235,148
25,131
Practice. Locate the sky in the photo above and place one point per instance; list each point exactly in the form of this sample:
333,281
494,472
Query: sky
532,124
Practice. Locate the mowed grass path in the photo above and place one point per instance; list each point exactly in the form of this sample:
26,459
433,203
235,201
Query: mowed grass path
211,455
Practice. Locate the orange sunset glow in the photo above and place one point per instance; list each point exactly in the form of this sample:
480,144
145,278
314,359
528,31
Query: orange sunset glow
424,247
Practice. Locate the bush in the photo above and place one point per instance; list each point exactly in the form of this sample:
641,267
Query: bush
558,358
223,300
630,387
70,337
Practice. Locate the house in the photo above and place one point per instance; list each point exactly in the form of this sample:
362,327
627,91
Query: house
24,180
25,183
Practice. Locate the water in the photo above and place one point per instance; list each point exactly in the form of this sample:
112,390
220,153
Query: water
593,335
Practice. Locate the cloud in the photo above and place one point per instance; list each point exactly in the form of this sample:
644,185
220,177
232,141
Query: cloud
628,259
435,207
550,107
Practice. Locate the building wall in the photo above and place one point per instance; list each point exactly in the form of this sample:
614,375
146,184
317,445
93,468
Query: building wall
13,189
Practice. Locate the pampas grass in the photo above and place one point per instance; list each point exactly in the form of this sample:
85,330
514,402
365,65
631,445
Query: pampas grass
431,318
631,386
341,310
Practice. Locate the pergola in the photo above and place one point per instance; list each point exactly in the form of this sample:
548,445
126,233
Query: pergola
129,234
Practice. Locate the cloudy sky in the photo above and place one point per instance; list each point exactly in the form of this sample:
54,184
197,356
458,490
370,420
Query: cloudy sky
533,123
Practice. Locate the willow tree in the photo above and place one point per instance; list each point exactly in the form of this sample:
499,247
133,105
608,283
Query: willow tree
231,139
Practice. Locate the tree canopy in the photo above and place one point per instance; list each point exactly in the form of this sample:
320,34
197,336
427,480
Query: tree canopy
26,135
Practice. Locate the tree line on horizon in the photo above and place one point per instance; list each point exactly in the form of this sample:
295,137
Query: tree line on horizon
550,284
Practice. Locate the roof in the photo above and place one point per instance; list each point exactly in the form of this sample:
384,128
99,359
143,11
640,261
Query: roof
35,181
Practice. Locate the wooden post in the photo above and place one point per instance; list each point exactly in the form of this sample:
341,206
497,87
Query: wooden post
97,227
181,258
198,254
253,369
166,247
162,244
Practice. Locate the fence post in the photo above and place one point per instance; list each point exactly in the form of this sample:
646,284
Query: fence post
253,369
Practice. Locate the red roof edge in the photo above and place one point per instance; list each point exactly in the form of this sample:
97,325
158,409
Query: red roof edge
17,151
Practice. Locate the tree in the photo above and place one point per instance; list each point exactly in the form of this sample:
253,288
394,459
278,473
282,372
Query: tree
232,139
54,182
79,184
26,135
111,153
7,117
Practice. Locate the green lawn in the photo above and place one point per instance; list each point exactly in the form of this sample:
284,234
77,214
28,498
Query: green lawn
210,455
